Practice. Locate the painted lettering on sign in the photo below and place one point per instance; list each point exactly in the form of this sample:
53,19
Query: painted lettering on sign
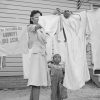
9,34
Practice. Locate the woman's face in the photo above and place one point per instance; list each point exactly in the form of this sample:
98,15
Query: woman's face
35,18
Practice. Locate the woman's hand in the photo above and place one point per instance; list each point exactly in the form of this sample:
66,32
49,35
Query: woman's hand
66,13
38,26
57,12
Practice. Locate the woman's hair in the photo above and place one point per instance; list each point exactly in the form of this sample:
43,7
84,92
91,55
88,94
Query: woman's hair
33,13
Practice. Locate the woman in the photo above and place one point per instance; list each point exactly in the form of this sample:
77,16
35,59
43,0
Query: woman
38,63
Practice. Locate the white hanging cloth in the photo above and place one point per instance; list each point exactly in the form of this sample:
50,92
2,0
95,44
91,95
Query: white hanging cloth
94,26
76,70
55,40
26,62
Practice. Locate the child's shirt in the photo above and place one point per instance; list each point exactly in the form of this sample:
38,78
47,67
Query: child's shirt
54,67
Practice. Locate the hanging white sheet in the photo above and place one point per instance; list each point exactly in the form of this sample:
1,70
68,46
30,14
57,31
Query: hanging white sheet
26,62
55,39
94,26
76,70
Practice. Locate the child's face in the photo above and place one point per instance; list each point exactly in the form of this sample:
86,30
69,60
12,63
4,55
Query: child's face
57,58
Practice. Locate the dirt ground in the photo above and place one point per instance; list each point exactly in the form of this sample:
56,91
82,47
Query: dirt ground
88,92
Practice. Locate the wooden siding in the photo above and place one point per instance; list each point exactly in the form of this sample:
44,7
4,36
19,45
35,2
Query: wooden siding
12,82
95,4
14,12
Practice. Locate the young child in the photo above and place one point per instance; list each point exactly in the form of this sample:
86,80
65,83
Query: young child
57,75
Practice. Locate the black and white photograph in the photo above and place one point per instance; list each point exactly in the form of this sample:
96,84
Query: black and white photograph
49,49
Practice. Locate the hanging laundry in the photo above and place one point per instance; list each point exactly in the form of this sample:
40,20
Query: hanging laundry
26,62
52,26
76,70
13,40
94,26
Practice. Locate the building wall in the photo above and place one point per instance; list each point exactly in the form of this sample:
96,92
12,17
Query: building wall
14,12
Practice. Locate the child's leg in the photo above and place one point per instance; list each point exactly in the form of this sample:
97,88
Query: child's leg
35,92
60,78
54,83
59,93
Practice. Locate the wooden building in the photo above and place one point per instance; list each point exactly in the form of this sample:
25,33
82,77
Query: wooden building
14,12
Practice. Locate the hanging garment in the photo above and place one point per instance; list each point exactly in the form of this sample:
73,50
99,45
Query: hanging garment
13,40
26,62
76,70
94,26
50,24
55,39
62,45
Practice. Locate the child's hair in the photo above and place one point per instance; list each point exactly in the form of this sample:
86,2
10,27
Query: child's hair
33,13
55,56
52,61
